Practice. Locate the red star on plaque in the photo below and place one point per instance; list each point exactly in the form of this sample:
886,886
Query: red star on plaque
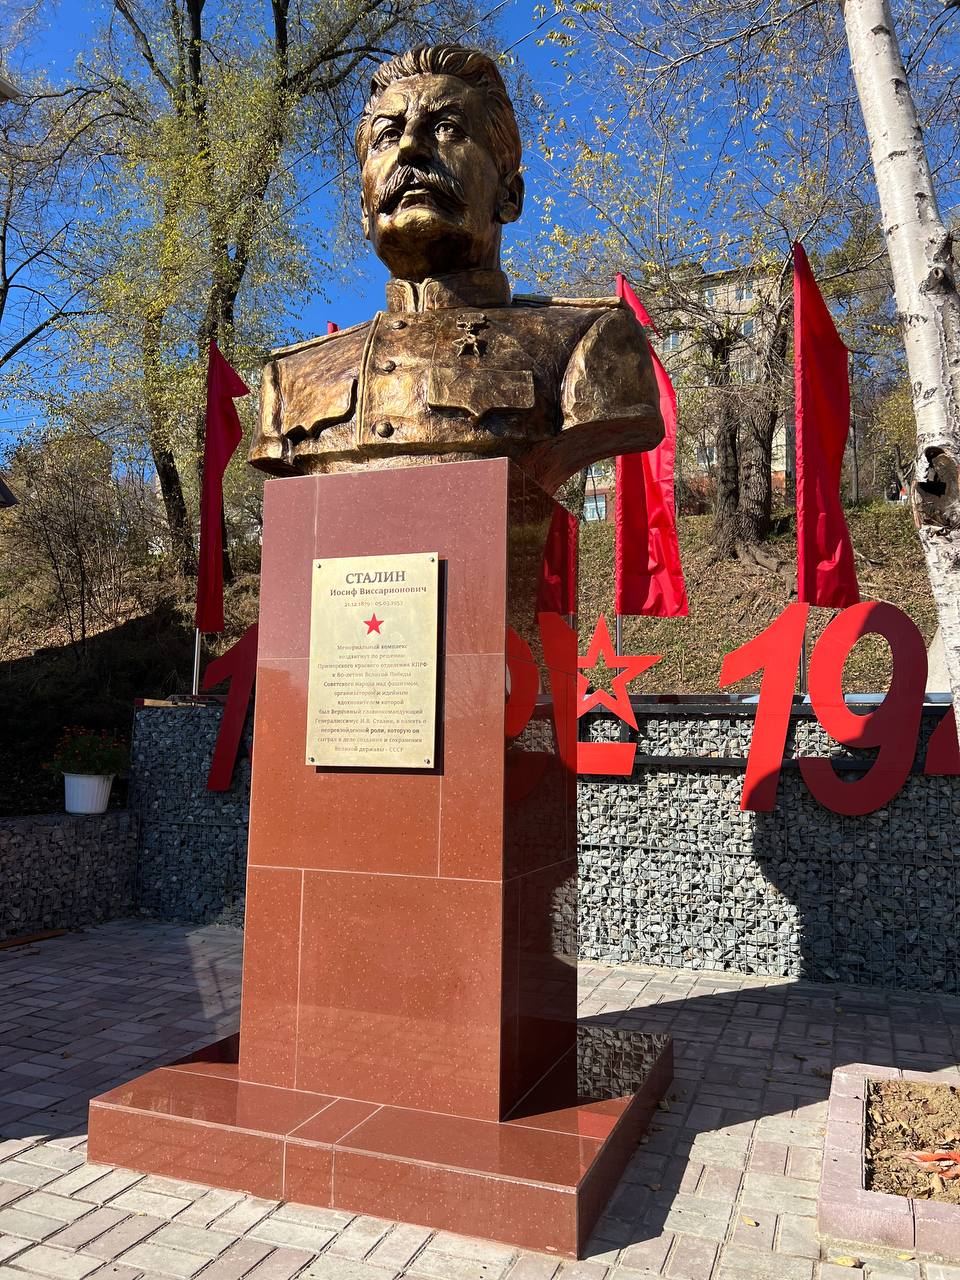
373,624
601,646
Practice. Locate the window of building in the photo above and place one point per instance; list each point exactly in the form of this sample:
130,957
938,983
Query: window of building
671,342
746,327
595,506
706,457
745,292
710,297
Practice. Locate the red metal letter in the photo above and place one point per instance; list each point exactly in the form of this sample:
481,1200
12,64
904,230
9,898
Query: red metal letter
239,666
892,727
524,683
568,689
524,769
943,751
614,758
775,652
559,641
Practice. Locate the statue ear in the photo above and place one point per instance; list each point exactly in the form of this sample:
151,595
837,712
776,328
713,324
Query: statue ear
510,198
364,220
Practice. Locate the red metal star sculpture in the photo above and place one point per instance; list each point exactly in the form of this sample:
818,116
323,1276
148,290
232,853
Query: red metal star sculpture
373,624
619,700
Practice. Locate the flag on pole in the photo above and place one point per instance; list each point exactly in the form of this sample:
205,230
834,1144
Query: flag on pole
825,570
649,576
222,437
557,589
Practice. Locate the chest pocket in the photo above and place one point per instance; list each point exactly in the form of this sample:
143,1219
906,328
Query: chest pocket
480,391
311,406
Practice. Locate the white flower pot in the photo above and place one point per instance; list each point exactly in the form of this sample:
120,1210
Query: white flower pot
87,792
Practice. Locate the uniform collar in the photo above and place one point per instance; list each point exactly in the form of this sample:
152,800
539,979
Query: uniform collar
480,288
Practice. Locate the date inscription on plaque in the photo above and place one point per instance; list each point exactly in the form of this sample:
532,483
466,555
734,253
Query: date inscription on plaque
372,694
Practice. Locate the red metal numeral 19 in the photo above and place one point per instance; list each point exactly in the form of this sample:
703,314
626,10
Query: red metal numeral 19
775,652
892,727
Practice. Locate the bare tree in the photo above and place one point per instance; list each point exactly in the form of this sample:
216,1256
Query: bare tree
198,235
45,156
712,134
81,531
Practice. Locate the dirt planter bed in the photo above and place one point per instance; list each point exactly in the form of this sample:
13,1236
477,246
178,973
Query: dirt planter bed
851,1214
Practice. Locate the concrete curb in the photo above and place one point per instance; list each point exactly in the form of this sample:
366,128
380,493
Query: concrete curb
849,1213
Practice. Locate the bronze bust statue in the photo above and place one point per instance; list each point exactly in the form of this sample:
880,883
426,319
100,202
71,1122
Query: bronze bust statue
454,368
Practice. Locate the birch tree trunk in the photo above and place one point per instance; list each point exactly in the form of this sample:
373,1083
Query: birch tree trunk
921,257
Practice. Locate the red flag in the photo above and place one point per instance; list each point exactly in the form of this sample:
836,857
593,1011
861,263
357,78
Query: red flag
557,589
825,570
222,437
626,292
649,576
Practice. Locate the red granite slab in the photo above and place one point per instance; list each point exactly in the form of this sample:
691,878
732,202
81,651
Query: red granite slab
539,1180
408,1040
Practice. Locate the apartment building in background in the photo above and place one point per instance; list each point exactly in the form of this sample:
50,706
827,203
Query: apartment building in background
736,304
599,498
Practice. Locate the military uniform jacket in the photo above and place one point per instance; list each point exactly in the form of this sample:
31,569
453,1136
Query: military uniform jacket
455,369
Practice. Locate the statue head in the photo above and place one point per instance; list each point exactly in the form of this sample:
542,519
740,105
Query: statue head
455,368
439,154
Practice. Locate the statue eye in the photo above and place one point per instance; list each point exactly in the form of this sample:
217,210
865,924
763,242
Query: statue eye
448,129
385,136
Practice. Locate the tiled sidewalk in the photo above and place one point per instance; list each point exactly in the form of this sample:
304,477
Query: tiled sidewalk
725,1188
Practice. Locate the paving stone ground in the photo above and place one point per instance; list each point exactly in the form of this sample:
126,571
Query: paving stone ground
725,1188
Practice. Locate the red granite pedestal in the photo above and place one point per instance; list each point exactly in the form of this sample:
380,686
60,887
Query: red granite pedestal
408,1043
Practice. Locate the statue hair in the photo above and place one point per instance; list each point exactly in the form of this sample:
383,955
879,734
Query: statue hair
469,65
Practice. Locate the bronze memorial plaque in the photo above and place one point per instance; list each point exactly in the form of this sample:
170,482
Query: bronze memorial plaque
372,694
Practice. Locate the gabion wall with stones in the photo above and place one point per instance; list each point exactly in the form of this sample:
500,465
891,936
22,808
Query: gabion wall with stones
62,871
193,842
673,873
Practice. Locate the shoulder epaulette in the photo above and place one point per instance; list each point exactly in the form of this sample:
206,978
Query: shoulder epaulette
546,300
314,342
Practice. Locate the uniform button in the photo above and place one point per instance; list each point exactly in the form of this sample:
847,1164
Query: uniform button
398,324
383,429
386,366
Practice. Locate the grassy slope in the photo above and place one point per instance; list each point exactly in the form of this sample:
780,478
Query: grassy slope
45,685
729,607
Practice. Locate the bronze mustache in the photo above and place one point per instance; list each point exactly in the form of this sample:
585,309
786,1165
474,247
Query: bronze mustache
440,182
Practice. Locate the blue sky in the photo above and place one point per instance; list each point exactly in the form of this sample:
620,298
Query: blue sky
65,30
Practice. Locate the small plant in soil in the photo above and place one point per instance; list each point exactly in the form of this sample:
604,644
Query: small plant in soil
89,751
913,1140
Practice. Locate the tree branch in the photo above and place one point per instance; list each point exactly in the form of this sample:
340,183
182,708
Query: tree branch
8,355
143,44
